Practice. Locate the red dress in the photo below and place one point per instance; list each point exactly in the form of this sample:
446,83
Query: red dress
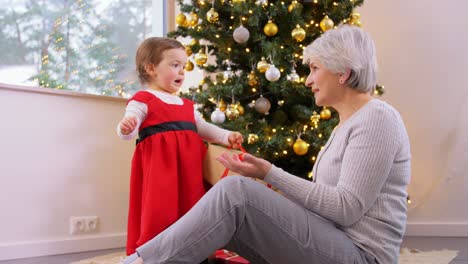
166,177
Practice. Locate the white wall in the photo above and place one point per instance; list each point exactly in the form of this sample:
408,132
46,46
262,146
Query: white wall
60,157
423,60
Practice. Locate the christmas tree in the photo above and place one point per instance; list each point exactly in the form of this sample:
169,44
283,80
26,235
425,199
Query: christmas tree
255,83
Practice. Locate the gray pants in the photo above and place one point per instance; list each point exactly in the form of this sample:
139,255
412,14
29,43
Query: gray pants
246,217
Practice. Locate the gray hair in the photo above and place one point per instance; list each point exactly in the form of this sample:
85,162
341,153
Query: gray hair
346,48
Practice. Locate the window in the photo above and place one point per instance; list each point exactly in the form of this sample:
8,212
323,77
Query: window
80,45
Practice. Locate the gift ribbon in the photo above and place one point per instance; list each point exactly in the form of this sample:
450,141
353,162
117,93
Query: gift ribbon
226,170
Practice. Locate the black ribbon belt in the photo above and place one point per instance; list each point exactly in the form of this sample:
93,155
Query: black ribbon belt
164,127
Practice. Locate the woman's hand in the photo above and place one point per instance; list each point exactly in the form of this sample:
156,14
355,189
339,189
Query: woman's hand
235,139
248,165
128,124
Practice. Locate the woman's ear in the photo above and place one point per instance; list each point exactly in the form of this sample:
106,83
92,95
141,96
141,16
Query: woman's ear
345,76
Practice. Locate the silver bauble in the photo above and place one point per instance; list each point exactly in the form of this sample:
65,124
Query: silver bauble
241,34
228,73
272,74
262,105
218,116
294,77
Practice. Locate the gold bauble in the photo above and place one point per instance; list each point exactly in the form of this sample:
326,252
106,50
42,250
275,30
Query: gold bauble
270,29
252,138
355,16
315,118
262,66
232,112
325,114
212,16
193,42
193,21
294,5
355,19
200,57
237,1
326,23
240,108
189,66
180,19
356,23
298,33
300,147
188,50
252,78
221,105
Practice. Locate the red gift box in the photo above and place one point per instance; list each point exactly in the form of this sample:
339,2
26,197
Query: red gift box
224,256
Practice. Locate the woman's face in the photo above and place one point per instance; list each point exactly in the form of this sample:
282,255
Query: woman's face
324,84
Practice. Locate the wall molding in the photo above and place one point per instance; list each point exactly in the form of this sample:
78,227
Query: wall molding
421,229
58,92
18,250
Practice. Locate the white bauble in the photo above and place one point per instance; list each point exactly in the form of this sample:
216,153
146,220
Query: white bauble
262,105
228,73
294,77
218,116
272,74
241,34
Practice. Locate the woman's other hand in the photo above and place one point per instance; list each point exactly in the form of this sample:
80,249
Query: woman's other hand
246,165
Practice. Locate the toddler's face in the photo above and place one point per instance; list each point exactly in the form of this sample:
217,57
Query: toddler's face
169,73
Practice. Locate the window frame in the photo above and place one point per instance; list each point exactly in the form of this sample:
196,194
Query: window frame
169,9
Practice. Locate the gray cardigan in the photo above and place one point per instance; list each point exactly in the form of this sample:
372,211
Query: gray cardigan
360,180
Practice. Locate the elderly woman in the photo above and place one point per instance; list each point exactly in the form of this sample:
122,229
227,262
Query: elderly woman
355,209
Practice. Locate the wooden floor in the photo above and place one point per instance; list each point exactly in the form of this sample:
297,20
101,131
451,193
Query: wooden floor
421,243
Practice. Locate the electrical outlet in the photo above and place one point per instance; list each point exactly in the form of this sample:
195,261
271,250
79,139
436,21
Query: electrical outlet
91,224
77,225
84,224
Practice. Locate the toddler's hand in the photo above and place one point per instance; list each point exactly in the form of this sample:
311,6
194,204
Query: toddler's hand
235,139
128,124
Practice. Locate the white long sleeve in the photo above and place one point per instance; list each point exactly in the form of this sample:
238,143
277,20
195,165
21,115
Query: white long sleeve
138,110
207,131
210,132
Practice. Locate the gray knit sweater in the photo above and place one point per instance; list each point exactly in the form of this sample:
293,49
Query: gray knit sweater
360,180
